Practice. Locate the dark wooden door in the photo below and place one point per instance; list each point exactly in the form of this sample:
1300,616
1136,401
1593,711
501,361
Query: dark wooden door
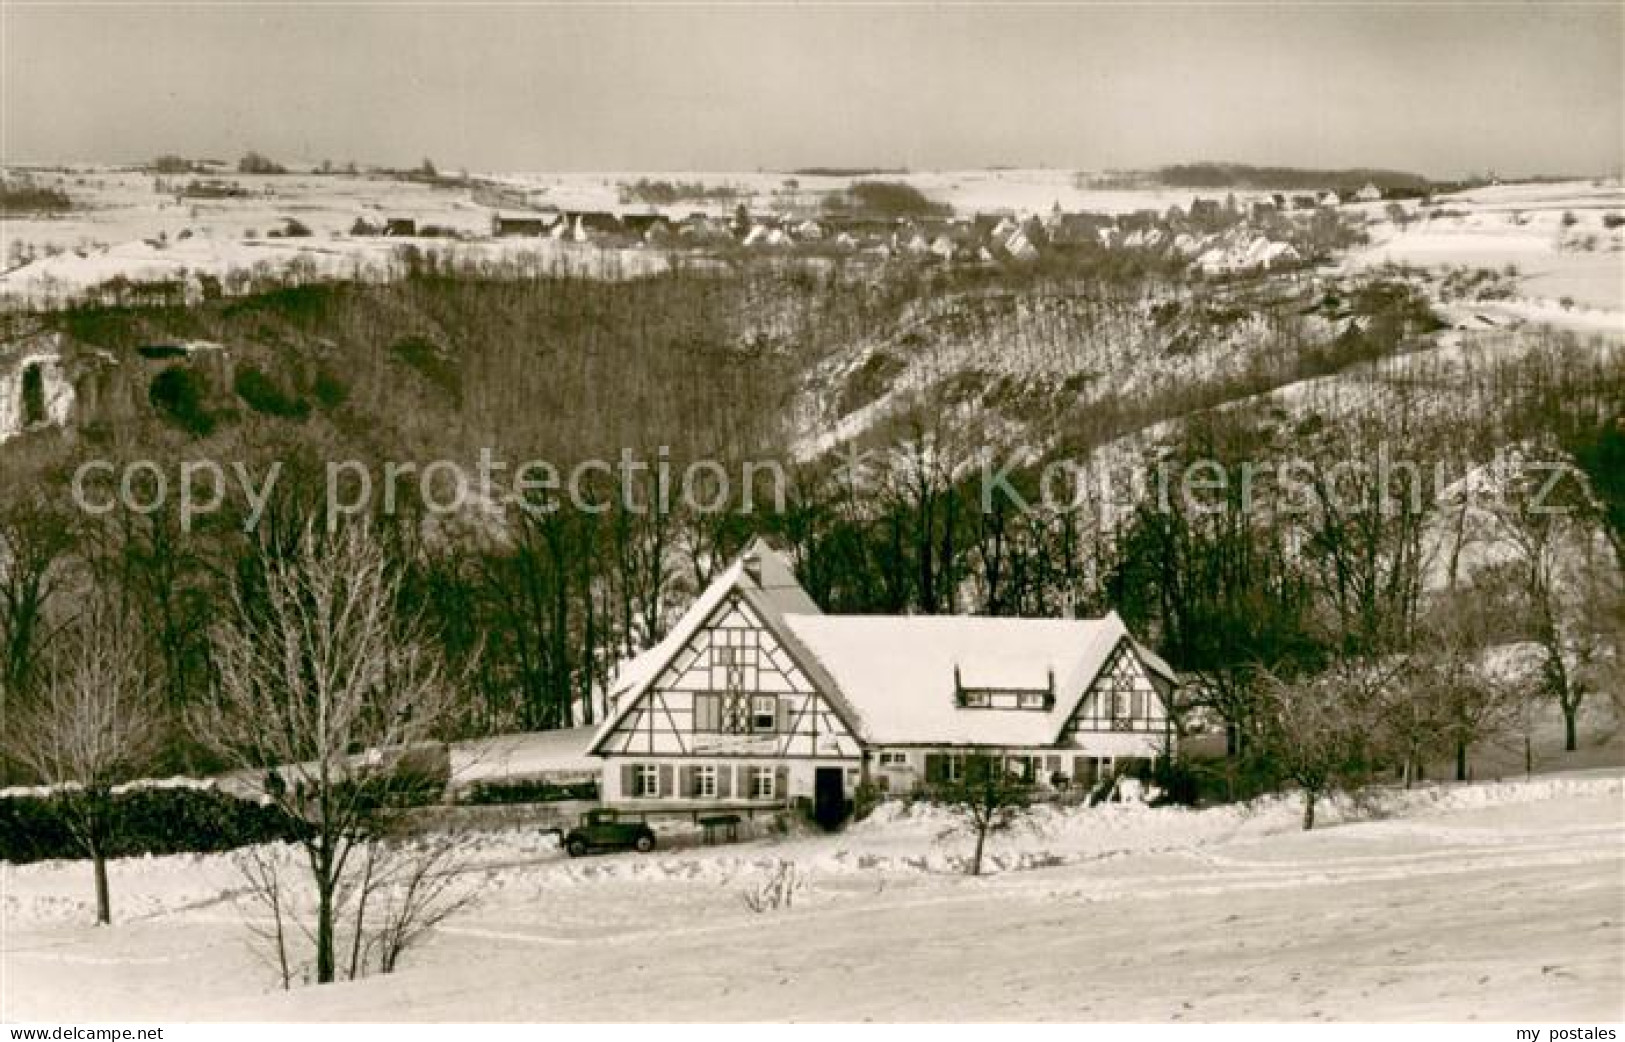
829,796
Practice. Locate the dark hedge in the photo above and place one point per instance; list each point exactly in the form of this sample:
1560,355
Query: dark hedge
527,791
144,821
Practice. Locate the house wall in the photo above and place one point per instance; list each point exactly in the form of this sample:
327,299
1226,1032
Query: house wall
1095,756
793,779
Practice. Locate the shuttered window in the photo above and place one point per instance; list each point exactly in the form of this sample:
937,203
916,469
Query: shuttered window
707,713
705,782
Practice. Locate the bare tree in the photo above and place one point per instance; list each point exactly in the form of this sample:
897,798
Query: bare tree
410,888
987,800
262,874
1475,701
1567,577
1317,731
322,679
1412,722
398,890
35,545
90,723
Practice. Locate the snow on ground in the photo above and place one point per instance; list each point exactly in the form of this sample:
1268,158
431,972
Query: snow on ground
1017,191
70,274
1555,235
125,227
121,206
1493,901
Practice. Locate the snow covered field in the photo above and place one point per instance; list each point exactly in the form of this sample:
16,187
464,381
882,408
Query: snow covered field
123,227
1023,191
1570,263
1495,901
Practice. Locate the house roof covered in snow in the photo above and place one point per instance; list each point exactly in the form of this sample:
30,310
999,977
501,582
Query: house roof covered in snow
899,672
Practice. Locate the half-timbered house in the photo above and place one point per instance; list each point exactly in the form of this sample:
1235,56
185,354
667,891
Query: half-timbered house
756,698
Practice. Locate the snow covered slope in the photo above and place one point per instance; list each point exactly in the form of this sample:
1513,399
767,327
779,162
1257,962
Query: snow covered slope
1494,902
1566,242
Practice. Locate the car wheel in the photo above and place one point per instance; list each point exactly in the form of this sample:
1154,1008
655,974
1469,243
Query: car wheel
576,847
645,844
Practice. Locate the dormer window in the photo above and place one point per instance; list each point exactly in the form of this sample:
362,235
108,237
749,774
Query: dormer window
1000,697
1003,698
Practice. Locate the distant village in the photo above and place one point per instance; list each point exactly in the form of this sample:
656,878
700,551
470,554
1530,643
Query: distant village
1216,235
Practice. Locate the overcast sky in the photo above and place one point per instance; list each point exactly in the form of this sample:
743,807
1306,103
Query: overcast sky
1442,90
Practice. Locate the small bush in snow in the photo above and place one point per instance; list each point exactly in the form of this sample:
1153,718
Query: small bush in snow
777,890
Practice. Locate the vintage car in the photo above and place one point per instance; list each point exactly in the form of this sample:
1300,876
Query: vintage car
604,829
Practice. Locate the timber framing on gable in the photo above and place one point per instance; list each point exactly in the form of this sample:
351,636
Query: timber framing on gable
736,686
1122,697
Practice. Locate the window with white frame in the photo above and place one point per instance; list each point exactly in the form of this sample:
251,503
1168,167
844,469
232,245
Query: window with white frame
894,759
761,783
646,780
955,766
705,781
764,713
977,699
1031,700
